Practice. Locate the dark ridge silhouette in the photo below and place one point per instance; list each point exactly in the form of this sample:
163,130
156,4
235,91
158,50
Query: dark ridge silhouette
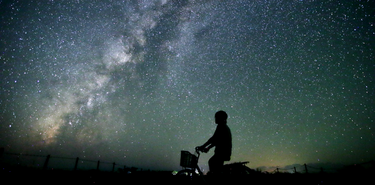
24,173
17,174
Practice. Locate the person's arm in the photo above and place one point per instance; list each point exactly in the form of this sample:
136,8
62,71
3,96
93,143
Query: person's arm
210,143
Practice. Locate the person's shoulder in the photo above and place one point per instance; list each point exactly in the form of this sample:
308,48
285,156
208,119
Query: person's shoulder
223,126
226,126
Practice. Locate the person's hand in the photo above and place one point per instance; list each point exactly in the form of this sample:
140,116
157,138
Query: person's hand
200,148
203,149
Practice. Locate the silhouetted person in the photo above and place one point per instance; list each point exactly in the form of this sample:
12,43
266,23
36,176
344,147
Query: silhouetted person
221,140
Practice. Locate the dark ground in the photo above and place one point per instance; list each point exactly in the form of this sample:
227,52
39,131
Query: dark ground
38,176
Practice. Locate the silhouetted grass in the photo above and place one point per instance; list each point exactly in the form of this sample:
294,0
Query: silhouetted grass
16,174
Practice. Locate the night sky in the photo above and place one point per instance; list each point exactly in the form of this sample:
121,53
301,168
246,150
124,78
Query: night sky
135,82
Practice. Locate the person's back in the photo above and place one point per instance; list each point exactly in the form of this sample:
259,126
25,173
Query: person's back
223,147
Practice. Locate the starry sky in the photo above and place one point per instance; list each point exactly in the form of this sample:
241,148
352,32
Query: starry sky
138,81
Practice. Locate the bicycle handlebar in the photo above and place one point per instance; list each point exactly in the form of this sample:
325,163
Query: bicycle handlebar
197,150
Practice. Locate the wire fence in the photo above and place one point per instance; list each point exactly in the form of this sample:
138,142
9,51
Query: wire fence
316,169
47,162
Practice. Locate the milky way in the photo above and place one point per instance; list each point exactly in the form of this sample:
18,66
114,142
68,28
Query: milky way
136,82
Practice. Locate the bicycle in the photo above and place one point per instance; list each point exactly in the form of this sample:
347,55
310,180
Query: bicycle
189,162
191,169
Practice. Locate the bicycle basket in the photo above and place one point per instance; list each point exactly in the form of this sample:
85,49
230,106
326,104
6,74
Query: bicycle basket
188,160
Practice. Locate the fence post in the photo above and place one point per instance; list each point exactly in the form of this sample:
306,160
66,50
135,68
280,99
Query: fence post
306,168
1,151
46,162
113,168
97,166
75,166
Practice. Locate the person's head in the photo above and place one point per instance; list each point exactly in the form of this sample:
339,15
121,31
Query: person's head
221,117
